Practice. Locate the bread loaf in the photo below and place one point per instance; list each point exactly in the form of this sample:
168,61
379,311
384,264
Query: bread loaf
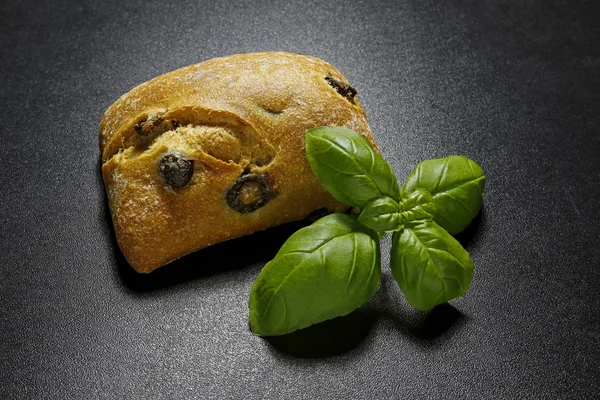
215,150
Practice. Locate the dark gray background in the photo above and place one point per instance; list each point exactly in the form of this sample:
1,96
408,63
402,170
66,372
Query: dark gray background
515,85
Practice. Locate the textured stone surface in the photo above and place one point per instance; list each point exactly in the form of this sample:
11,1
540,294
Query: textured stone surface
515,85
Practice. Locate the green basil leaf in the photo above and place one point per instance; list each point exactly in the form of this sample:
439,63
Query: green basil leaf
417,205
348,167
456,184
381,215
386,215
430,266
322,271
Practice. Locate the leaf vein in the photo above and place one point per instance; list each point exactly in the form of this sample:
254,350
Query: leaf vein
353,262
444,169
299,265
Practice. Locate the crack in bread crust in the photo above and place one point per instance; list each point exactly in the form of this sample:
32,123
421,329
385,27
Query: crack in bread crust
221,135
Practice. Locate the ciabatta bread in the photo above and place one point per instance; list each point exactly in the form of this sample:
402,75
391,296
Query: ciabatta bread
215,151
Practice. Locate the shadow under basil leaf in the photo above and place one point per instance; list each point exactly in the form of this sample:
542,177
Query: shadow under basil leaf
436,322
430,327
472,232
424,327
329,338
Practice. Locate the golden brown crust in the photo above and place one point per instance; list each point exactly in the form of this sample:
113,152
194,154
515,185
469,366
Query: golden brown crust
236,115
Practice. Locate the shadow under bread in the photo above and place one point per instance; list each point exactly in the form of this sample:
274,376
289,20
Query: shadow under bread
231,255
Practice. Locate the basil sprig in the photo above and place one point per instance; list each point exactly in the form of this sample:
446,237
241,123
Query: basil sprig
333,266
